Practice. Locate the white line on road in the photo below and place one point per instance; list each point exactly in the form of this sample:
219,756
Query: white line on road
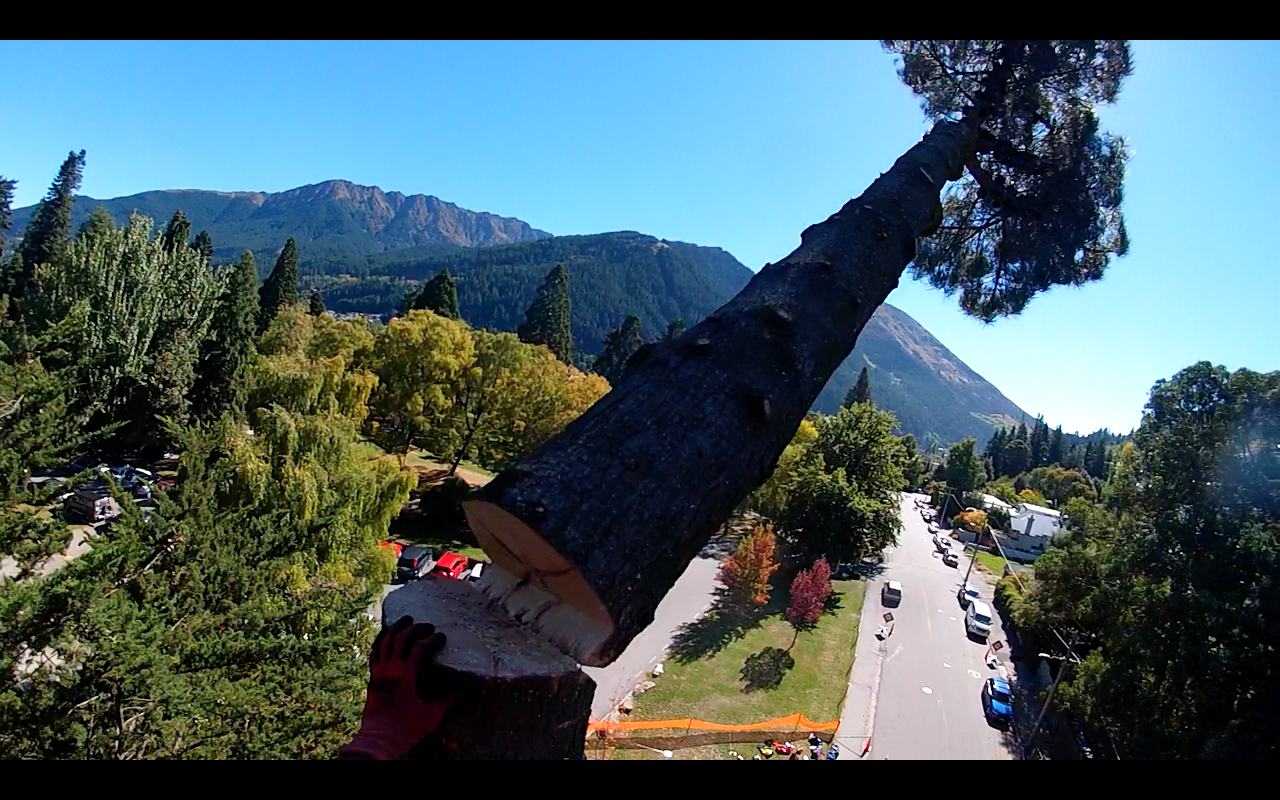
945,664
926,690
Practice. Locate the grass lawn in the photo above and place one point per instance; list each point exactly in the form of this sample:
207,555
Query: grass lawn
992,563
756,677
444,543
418,458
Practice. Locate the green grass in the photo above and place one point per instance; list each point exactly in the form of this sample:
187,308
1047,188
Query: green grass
419,458
444,543
992,563
812,680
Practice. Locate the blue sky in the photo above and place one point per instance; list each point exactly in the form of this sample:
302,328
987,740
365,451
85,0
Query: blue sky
735,144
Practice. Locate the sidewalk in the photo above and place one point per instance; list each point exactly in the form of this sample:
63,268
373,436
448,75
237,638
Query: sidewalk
857,718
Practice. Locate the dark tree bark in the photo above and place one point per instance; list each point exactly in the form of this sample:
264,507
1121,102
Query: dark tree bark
590,532
518,697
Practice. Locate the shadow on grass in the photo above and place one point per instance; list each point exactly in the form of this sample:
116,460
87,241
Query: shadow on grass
724,624
765,670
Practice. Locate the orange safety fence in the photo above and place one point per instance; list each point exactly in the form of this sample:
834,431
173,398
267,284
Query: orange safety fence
792,722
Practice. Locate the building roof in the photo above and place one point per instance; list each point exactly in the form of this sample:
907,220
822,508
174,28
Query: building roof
1034,509
990,500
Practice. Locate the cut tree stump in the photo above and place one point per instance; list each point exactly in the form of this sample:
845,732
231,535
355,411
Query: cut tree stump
518,696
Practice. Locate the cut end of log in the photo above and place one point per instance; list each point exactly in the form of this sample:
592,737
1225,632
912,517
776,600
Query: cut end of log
538,586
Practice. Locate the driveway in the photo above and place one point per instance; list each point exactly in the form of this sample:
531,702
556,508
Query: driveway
917,694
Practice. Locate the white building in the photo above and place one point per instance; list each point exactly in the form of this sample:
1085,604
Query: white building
990,501
1031,527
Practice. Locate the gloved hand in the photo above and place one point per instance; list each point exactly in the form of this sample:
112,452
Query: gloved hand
404,703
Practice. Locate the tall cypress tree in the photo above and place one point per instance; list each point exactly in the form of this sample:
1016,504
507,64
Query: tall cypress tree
860,392
1039,442
281,287
547,319
224,358
619,346
440,294
177,233
49,233
203,245
6,206
98,224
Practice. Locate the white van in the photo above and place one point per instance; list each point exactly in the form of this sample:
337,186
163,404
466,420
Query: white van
977,620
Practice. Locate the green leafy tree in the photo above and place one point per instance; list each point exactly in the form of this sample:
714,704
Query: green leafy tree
1015,459
913,469
145,311
619,347
422,360
498,360
964,470
547,321
772,495
280,288
177,234
440,294
223,370
48,234
860,392
828,516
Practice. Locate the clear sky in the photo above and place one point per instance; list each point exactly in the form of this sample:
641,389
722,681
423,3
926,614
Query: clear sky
739,145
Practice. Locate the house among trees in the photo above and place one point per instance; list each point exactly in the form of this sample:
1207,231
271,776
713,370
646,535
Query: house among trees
1031,528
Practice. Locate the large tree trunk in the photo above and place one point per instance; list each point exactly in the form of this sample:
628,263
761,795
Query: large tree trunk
589,533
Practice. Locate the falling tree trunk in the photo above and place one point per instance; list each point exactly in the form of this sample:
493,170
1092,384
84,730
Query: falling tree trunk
589,533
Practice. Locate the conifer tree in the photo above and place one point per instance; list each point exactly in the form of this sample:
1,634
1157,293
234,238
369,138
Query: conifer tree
281,287
203,245
6,206
1055,446
315,303
619,346
98,223
547,321
224,359
860,392
177,233
674,328
440,294
48,235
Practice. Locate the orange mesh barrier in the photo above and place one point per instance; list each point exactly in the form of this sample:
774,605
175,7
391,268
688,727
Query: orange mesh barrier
790,722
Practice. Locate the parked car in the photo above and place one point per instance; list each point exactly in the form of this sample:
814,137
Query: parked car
451,565
967,594
942,542
997,700
977,620
414,562
891,593
93,503
476,570
950,558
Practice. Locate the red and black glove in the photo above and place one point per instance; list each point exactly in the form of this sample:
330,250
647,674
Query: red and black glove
404,703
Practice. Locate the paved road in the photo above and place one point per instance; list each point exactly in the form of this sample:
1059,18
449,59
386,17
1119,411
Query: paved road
921,687
686,601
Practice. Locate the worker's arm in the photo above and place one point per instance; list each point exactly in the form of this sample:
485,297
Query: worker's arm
402,707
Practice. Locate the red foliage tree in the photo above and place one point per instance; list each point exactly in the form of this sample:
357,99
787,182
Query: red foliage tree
745,574
809,592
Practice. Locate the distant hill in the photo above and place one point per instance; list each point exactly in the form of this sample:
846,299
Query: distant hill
331,221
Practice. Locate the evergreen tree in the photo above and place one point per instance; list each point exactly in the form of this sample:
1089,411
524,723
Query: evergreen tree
547,319
98,224
203,245
224,358
994,453
1096,462
315,303
1039,442
177,234
1022,432
6,207
440,294
1015,459
619,346
281,287
48,235
860,392
674,329
1055,446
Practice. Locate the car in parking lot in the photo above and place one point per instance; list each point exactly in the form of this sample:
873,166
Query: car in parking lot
450,565
414,562
997,700
967,594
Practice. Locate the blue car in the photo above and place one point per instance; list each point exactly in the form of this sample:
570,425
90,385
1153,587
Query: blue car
997,700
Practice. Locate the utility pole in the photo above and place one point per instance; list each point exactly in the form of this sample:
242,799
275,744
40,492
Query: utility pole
1062,669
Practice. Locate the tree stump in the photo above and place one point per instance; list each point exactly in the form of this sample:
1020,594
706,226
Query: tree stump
518,696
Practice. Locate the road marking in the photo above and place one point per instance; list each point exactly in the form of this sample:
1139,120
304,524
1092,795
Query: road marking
940,611
974,673
953,619
926,690
945,664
